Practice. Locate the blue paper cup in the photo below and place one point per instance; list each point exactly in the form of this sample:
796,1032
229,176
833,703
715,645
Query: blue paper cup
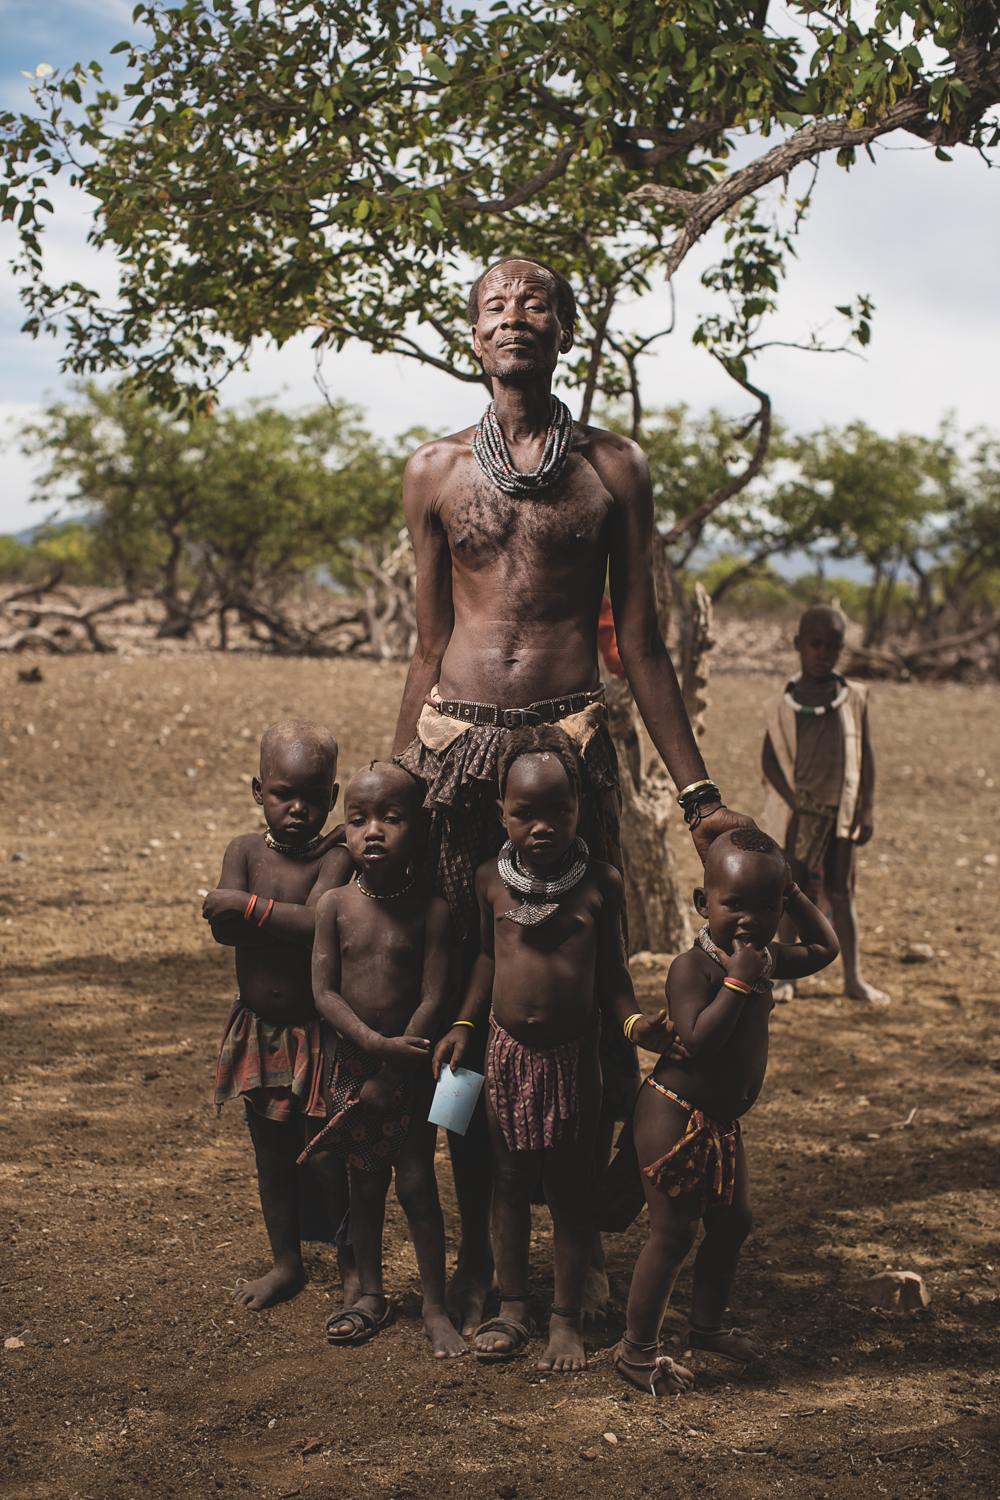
455,1099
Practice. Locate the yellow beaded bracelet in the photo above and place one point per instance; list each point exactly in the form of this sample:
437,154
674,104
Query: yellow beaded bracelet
464,1023
629,1025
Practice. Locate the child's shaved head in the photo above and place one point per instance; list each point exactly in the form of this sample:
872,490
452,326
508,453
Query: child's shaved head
744,841
383,777
299,734
825,617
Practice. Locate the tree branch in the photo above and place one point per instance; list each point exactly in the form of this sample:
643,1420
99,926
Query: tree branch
527,190
700,514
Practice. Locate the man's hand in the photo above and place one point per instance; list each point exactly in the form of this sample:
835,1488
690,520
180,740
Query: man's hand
866,828
451,1049
745,962
659,1034
403,1052
223,906
722,820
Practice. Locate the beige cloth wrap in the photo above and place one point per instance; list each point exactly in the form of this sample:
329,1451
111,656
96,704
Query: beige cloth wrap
437,731
782,727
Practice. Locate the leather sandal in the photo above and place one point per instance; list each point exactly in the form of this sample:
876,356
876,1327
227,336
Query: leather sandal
364,1324
660,1367
733,1345
519,1335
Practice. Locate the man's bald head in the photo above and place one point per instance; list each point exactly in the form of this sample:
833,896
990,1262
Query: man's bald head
823,617
302,739
561,291
741,845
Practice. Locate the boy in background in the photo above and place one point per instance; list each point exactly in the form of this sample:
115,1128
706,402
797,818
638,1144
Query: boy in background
819,777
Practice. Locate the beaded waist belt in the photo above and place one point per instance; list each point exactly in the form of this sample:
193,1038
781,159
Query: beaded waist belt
546,712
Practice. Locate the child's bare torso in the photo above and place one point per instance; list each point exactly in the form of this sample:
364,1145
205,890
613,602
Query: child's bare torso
544,982
381,957
725,1085
275,980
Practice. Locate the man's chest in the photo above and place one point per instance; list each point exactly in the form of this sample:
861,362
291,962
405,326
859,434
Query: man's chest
560,526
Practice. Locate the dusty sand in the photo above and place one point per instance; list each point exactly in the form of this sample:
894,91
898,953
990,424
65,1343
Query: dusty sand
130,1209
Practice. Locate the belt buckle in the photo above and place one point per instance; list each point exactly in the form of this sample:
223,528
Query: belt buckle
514,718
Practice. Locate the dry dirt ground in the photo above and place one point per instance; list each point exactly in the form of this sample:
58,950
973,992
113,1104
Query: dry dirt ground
129,1209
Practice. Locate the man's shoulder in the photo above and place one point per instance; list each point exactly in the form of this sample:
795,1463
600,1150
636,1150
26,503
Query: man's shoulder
439,454
615,457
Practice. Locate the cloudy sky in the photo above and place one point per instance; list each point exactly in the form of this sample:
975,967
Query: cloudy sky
918,235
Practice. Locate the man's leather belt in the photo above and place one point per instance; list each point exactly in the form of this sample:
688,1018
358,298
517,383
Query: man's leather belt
546,712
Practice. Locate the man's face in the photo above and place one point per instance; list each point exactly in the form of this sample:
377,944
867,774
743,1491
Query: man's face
518,335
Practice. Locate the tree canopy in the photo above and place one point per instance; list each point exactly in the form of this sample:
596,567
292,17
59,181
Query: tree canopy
334,166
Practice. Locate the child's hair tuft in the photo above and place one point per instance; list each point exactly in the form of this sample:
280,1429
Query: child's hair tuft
540,739
754,841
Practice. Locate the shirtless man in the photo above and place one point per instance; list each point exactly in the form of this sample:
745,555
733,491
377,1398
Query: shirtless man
511,568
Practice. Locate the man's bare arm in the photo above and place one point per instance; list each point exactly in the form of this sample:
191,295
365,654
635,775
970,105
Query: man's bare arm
435,615
625,473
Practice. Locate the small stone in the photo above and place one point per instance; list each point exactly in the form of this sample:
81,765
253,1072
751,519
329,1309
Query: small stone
588,1454
969,1299
918,953
609,1437
149,1075
13,1343
507,1491
273,1422
897,1291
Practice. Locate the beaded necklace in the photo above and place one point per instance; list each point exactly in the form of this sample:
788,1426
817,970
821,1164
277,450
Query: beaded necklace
391,896
761,985
822,708
492,455
536,910
293,851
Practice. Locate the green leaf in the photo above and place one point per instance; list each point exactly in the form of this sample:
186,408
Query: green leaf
438,67
943,155
788,118
599,30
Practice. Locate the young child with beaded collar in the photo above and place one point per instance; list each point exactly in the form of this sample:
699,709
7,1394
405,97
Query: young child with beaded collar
681,1151
819,783
271,1051
549,927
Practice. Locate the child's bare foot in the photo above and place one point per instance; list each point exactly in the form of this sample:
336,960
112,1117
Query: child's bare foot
279,1285
446,1342
467,1292
565,1353
644,1367
859,990
733,1345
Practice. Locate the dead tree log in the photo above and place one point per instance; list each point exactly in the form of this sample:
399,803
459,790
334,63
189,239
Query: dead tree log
698,639
657,913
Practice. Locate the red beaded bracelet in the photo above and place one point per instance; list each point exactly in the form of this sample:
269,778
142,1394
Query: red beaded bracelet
737,985
266,914
250,906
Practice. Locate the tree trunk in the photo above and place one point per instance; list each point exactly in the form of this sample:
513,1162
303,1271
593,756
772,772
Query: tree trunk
698,642
658,917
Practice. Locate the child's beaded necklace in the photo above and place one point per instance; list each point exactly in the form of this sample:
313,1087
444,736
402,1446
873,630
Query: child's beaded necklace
536,908
293,851
822,708
761,984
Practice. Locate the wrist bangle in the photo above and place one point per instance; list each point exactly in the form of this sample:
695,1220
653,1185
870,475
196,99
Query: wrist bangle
250,906
794,890
629,1026
464,1023
267,913
736,984
693,787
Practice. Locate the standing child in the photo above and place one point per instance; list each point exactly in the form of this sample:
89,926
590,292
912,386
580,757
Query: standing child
380,977
549,923
271,1053
682,1147
820,782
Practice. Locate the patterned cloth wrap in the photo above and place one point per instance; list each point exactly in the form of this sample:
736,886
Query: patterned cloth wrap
458,764
534,1091
704,1159
277,1070
371,1143
814,828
